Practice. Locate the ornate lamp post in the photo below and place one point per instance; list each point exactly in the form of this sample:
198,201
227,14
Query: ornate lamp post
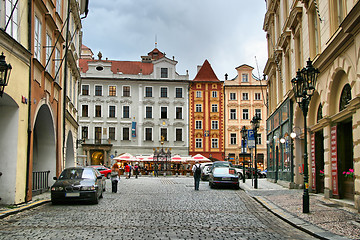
243,149
304,87
255,122
5,70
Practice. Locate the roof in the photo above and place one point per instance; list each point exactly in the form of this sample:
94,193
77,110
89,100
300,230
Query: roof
206,73
126,67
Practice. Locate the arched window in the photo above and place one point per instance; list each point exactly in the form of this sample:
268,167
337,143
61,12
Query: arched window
319,113
345,97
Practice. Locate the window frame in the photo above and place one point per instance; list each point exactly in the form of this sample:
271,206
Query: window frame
146,91
146,134
161,112
176,92
96,91
198,143
161,92
126,92
112,92
198,124
123,111
245,114
176,113
233,114
110,111
146,112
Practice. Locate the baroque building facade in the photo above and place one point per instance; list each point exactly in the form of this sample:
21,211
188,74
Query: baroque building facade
206,114
326,32
126,106
244,97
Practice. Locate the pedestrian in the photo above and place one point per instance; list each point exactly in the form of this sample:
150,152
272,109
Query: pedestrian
127,170
115,177
156,170
196,169
136,170
131,168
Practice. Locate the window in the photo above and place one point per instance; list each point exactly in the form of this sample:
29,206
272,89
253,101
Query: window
232,96
198,124
126,112
178,135
178,112
214,108
198,94
178,93
112,91
214,94
57,64
258,112
148,91
198,143
98,90
198,108
164,73
163,133
163,113
148,134
126,91
163,92
97,110
85,111
245,77
48,52
233,138
84,132
148,112
258,138
245,96
97,133
215,125
12,28
214,143
112,133
245,114
257,96
126,134
232,114
85,90
37,38
111,111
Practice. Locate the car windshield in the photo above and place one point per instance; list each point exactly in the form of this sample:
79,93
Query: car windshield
76,173
221,171
222,164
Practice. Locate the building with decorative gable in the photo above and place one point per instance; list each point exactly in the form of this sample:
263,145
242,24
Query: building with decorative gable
126,106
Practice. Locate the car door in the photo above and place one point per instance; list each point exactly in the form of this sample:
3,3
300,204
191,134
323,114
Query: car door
99,181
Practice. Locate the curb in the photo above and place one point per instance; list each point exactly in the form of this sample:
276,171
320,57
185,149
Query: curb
6,213
297,222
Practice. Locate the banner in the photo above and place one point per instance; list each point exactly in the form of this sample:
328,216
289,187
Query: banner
313,165
334,166
133,129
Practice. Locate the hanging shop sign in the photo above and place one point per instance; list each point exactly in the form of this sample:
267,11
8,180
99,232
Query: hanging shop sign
313,166
334,165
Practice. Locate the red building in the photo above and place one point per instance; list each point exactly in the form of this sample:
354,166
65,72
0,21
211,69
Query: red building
206,114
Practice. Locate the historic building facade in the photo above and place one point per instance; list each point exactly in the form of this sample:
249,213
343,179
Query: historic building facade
244,97
126,106
206,114
326,32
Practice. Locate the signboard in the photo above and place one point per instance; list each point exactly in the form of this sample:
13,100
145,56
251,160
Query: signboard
251,139
111,156
334,166
133,129
313,167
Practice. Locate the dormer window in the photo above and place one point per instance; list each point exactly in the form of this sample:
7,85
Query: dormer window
245,77
164,73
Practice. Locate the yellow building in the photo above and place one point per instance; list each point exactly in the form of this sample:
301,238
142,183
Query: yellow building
244,97
14,102
326,32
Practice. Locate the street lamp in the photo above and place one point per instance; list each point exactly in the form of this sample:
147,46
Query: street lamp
243,148
304,87
5,70
255,122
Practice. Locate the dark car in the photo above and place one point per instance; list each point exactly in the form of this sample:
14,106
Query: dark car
205,173
78,183
223,176
221,164
103,170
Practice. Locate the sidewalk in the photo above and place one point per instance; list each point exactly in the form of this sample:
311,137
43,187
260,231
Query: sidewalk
327,219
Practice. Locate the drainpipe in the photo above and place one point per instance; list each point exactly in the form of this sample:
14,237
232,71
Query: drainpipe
29,108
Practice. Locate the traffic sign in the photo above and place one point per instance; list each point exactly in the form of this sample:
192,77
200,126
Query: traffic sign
251,139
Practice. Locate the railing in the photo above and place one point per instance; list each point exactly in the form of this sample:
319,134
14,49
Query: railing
96,141
40,182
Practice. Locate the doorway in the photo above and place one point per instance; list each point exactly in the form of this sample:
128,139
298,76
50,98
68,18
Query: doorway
319,161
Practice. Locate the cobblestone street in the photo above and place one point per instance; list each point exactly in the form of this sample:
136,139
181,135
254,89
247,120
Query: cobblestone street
153,208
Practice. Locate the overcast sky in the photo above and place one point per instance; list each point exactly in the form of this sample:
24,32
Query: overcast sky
226,32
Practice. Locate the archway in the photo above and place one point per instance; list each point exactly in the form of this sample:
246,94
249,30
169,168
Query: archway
9,119
69,155
44,150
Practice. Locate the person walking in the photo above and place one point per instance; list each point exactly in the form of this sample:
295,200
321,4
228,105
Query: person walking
115,177
127,170
136,170
196,169
156,170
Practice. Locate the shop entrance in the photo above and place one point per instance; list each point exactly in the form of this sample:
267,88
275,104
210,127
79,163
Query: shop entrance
319,161
345,159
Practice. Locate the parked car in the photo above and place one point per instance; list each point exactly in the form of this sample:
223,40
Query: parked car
264,173
221,164
205,173
103,170
224,176
78,183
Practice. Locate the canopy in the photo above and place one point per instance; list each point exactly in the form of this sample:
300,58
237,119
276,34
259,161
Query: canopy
126,157
200,158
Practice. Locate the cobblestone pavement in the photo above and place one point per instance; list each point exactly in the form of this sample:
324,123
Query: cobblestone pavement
153,208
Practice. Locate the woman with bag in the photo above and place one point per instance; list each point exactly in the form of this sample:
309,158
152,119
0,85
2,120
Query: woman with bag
115,173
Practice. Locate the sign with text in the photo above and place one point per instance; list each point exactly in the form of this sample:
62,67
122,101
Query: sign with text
251,139
334,165
313,167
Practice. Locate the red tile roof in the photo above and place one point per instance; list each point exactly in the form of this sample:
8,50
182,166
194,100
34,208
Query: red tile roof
206,73
126,67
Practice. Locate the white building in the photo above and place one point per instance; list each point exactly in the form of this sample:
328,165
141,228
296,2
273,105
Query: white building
126,106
